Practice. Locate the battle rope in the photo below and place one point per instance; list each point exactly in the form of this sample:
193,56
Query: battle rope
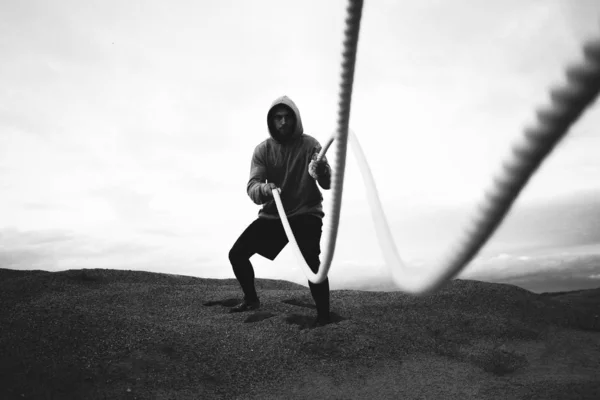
553,123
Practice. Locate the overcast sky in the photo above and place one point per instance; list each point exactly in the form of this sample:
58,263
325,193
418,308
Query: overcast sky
126,128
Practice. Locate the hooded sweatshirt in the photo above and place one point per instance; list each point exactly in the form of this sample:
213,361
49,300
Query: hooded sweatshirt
284,162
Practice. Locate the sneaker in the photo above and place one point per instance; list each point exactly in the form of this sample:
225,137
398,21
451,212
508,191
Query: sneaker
245,306
320,321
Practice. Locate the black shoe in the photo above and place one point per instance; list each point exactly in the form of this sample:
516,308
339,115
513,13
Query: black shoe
320,321
245,305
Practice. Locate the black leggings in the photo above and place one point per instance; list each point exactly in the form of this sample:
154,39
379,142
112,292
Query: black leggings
267,238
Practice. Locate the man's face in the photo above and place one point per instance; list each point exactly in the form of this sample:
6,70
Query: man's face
284,121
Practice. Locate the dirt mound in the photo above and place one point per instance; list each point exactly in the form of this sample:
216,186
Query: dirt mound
128,334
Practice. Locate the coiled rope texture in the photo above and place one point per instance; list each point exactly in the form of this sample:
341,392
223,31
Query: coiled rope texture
552,124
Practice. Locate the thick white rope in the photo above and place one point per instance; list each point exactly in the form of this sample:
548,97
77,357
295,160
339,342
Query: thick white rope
553,123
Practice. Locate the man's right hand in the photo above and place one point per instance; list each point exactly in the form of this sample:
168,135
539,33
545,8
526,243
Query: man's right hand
267,189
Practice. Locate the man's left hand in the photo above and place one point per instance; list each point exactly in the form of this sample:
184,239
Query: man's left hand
316,168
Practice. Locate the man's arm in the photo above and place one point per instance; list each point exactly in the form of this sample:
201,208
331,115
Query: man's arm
258,175
321,171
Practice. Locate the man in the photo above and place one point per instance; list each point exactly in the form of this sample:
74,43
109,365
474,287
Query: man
286,160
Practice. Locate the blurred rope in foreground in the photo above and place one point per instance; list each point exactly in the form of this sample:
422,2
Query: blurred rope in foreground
552,123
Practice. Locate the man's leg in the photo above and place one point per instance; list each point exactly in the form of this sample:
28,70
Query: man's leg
262,237
307,230
320,294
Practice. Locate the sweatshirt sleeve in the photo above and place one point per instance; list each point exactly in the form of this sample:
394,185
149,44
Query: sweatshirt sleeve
325,177
258,176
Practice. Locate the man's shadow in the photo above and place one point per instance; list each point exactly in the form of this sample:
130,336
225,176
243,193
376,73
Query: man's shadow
226,303
306,321
302,321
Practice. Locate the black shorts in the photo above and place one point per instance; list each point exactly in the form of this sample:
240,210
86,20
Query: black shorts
267,238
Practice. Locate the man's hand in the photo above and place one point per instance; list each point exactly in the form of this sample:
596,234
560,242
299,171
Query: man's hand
316,168
267,189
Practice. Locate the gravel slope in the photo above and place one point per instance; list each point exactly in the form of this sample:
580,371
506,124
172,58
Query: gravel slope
95,334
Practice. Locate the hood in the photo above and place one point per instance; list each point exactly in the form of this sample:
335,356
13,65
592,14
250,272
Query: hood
298,131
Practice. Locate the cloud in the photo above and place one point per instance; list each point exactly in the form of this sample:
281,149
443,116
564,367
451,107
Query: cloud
556,264
33,249
130,129
581,18
59,250
14,237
